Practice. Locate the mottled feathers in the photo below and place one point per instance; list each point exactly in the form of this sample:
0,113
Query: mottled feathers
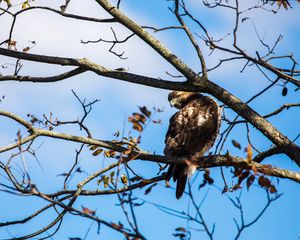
192,132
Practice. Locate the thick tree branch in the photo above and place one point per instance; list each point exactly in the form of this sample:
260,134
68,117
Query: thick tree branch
100,70
266,128
207,86
205,162
292,150
124,151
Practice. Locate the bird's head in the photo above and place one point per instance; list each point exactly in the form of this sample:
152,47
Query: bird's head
179,99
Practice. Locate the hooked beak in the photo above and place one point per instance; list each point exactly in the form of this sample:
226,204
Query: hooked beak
172,103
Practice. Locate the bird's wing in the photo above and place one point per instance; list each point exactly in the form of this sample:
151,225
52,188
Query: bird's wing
191,130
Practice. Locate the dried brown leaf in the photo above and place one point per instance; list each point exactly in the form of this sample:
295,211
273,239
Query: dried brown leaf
272,189
25,5
207,177
109,153
180,235
124,179
249,181
145,111
8,3
97,152
99,181
283,3
248,150
93,147
139,117
112,174
88,211
236,144
12,43
26,49
106,181
243,176
264,182
149,189
237,172
236,187
158,121
137,127
180,229
284,91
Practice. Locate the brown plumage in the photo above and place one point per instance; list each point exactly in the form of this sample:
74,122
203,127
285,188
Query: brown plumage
192,132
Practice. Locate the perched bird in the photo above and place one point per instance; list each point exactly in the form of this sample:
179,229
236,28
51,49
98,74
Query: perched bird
192,132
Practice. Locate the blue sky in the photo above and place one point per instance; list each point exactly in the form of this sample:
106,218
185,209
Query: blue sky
58,36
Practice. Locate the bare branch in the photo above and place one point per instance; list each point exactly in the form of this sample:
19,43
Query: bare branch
202,86
154,43
162,29
204,163
192,39
62,13
51,79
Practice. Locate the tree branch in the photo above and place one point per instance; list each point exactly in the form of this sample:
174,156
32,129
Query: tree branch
292,150
192,39
145,36
207,86
203,162
51,79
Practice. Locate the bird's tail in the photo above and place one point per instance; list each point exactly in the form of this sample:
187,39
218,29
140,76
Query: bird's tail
180,173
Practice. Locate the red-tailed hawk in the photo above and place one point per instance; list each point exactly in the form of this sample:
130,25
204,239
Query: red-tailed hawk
192,132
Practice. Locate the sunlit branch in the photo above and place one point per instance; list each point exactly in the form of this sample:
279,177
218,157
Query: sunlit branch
206,162
43,79
140,184
62,200
100,70
194,81
205,86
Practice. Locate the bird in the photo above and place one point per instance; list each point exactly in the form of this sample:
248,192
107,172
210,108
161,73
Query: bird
192,132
